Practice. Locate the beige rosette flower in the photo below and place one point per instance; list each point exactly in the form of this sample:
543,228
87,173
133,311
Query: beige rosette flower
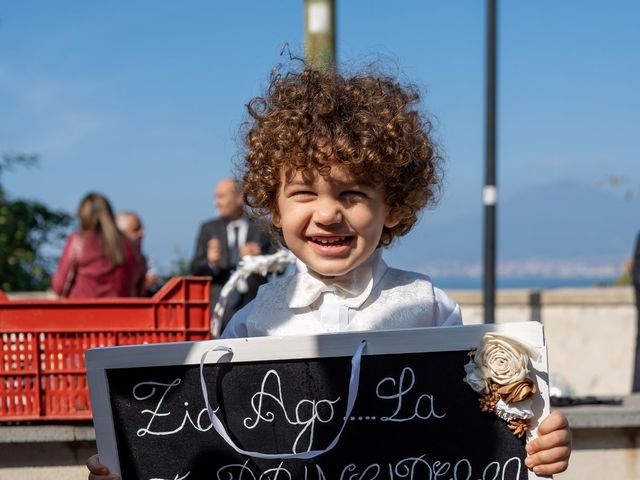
503,359
518,391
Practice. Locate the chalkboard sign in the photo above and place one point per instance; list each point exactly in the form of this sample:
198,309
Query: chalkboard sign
278,398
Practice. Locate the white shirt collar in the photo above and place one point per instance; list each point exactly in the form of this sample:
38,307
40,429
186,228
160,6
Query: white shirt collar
351,289
238,222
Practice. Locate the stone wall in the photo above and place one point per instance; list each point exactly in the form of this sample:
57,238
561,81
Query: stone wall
590,332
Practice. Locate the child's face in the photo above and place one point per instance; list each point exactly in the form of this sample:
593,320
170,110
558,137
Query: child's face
332,223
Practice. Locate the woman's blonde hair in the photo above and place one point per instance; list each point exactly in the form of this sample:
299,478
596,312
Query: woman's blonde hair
95,215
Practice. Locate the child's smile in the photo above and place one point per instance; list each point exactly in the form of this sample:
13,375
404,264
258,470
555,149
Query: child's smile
333,223
333,245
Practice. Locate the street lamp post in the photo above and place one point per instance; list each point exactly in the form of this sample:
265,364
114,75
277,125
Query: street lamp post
490,192
320,33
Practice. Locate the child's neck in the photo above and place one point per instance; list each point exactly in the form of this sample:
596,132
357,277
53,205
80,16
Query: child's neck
365,268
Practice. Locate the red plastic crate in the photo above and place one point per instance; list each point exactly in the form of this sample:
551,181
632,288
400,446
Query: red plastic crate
42,343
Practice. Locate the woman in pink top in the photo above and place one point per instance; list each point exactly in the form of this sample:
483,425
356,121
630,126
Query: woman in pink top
97,261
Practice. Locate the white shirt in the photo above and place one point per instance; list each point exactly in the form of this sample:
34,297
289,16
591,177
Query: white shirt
330,311
242,224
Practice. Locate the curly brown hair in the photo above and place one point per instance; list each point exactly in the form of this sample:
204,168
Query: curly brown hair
310,120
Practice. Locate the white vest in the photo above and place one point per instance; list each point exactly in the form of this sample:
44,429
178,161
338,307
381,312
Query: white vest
401,299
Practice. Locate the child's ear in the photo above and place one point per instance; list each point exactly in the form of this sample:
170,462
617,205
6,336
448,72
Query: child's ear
393,219
275,220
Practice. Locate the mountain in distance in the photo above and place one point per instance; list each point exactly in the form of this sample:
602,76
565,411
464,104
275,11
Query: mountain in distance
561,228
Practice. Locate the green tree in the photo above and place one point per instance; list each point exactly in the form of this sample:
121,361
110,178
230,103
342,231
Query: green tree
626,276
25,228
179,265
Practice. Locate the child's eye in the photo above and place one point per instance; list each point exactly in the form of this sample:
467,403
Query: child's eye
354,194
302,194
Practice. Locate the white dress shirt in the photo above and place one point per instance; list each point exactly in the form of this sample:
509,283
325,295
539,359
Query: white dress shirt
242,224
336,306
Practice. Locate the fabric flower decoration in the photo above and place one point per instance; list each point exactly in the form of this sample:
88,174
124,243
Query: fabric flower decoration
518,391
499,370
475,378
512,411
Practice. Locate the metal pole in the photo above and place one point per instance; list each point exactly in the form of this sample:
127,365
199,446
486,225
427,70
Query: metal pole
320,33
490,192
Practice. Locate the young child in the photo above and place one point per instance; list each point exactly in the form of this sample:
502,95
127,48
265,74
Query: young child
343,165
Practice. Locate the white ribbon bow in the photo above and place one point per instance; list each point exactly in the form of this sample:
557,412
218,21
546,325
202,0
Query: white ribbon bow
352,289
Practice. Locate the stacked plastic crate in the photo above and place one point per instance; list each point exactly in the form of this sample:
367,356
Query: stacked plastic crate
42,343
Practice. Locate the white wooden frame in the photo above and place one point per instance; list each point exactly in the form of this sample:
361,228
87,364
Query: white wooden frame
99,360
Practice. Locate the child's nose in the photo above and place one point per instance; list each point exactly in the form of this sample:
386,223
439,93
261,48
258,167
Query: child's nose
328,212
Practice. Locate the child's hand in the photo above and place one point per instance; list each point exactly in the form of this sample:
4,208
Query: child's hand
98,470
549,452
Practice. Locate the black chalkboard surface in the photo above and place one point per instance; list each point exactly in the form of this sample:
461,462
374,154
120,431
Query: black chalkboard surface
413,416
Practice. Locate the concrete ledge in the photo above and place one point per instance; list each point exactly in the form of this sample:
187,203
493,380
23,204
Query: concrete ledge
626,415
46,295
604,296
555,296
46,433
601,296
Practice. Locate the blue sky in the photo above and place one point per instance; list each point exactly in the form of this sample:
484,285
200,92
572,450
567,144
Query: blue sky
142,101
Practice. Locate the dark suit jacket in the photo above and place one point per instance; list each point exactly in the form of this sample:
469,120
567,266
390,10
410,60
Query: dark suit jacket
217,228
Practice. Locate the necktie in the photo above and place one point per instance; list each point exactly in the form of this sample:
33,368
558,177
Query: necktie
234,252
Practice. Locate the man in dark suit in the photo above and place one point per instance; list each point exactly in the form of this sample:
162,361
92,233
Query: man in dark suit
222,242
